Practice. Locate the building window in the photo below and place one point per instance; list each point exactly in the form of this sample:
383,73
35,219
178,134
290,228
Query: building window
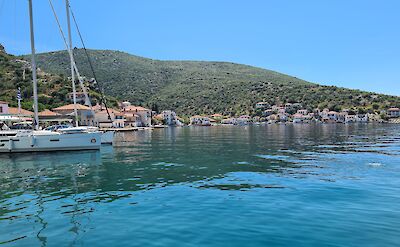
1,109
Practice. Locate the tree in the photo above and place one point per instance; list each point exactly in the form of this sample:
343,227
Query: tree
351,112
361,111
154,107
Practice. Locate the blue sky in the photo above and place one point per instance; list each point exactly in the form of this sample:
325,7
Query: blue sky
349,43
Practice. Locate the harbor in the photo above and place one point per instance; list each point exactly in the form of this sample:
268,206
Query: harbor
177,183
199,123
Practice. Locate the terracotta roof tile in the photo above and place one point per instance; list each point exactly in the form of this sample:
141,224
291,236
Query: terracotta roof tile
71,107
14,111
110,111
135,108
48,113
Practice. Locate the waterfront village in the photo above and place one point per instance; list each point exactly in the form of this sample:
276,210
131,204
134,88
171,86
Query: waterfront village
130,117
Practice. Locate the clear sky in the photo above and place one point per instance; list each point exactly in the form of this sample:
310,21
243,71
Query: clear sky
349,43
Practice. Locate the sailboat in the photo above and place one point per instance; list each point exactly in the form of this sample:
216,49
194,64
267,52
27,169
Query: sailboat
42,140
107,137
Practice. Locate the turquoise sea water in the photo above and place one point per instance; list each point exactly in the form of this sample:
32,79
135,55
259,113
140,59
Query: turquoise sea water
275,185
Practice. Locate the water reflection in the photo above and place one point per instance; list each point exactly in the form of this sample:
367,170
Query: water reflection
147,159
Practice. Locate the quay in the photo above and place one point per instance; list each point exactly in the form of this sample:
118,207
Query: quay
133,128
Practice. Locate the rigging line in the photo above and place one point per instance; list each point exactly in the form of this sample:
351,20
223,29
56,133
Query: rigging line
73,62
90,62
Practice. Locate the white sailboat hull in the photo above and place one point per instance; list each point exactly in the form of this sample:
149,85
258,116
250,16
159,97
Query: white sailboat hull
107,137
45,141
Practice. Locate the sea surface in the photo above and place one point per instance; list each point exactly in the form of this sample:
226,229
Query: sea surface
274,185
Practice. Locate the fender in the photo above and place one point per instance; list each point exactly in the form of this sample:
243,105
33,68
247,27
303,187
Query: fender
33,140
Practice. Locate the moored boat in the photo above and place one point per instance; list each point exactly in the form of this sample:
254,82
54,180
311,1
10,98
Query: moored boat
106,137
43,140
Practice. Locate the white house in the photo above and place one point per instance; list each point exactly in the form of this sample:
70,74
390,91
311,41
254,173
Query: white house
117,119
350,119
393,112
243,120
143,113
229,121
324,113
302,112
4,108
282,116
332,115
268,112
132,120
125,104
298,118
341,118
362,118
262,105
200,120
282,110
170,118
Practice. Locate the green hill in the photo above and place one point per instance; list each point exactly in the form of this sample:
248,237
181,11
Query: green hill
52,87
192,87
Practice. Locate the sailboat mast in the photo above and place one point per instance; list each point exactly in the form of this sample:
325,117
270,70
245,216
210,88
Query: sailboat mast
33,62
72,63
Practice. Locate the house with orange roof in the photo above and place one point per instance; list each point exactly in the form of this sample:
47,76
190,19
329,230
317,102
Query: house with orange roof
117,118
98,107
65,109
50,117
217,115
132,120
298,118
393,112
86,116
144,115
48,114
243,120
20,112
